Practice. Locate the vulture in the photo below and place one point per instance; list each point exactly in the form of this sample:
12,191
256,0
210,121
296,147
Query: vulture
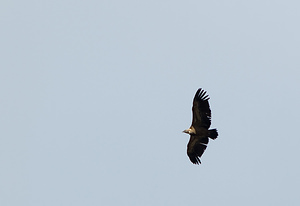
199,130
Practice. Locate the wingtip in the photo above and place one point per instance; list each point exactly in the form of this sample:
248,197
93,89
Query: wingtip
195,160
201,94
198,162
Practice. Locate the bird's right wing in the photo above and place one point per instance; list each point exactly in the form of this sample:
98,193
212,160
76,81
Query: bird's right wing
196,148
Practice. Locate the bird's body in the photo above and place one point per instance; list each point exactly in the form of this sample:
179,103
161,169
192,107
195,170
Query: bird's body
199,130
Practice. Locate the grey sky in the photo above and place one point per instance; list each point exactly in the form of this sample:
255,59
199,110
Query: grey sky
95,94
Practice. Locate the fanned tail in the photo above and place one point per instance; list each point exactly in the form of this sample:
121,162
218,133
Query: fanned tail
213,133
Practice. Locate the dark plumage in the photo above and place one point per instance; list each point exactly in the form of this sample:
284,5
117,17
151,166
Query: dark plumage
199,131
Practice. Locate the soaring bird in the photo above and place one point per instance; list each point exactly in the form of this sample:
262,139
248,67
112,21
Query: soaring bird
199,130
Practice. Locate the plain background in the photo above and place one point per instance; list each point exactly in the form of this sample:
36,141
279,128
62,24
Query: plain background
95,95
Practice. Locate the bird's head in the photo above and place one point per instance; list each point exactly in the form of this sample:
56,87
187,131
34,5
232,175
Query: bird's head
190,130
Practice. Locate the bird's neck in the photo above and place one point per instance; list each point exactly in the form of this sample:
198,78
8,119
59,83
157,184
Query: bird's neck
192,130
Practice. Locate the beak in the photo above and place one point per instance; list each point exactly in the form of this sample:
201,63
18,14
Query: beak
185,131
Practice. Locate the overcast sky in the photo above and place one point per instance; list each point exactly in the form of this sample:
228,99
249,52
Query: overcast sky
95,96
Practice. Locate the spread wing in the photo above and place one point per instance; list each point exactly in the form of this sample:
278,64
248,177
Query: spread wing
196,148
201,110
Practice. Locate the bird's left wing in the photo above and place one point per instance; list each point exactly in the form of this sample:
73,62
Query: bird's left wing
201,109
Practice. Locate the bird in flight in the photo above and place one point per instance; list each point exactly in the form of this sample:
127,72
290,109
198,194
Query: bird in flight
199,130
